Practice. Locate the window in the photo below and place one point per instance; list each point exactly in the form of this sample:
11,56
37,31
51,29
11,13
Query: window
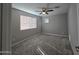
46,20
27,22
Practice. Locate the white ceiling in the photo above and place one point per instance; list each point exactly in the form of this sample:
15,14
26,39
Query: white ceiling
33,7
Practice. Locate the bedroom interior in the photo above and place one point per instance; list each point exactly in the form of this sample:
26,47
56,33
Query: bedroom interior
40,28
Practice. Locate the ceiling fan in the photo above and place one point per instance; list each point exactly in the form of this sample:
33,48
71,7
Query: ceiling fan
46,10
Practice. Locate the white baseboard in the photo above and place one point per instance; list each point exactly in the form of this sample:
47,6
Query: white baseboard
56,34
38,34
27,38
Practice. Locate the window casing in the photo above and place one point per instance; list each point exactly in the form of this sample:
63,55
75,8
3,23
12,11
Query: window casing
27,22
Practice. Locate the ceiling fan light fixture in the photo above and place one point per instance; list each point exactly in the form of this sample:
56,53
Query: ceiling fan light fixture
44,13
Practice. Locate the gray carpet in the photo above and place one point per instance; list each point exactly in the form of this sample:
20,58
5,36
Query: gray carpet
43,45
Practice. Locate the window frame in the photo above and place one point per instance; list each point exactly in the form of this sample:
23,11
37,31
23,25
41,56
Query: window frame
29,27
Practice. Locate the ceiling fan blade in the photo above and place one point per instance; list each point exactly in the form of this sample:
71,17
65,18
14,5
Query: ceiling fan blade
49,10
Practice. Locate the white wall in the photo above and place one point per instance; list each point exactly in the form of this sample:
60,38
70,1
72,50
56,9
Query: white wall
0,27
78,21
72,26
17,34
6,28
57,24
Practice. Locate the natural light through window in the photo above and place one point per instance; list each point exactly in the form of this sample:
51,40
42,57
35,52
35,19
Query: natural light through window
46,20
27,22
